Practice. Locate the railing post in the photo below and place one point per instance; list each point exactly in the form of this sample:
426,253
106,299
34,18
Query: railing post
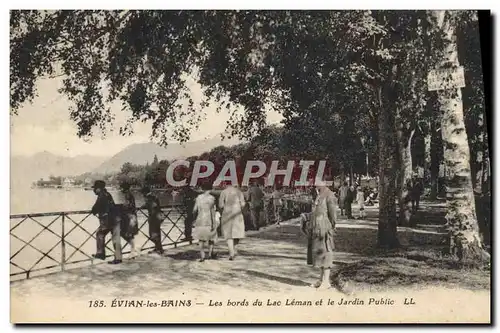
63,244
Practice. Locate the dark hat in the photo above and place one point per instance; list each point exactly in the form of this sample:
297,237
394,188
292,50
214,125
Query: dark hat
99,184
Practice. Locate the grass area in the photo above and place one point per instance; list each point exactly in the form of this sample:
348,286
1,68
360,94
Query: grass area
409,267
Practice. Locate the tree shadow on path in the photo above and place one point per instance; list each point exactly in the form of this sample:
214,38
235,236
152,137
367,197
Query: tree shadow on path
280,279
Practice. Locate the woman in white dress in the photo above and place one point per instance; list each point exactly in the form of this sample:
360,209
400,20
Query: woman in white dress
206,222
360,198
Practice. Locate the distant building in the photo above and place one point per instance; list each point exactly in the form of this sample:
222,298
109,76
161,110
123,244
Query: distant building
68,182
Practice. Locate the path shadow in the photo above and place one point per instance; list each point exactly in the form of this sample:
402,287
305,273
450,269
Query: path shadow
354,240
280,279
185,255
266,255
429,214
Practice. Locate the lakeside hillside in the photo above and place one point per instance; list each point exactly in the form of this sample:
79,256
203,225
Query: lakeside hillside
142,153
26,169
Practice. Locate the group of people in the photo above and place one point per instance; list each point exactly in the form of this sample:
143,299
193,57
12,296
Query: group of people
205,217
120,219
225,214
347,195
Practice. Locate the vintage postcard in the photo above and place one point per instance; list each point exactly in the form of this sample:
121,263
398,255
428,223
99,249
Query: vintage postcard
236,166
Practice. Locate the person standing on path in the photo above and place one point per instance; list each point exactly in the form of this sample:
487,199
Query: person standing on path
416,191
277,203
127,212
105,209
314,195
256,203
206,222
360,199
232,202
319,226
349,198
155,218
342,196
188,197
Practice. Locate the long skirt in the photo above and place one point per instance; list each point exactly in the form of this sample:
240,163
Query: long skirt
320,251
342,203
233,227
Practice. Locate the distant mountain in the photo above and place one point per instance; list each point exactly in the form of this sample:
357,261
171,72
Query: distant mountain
26,169
142,153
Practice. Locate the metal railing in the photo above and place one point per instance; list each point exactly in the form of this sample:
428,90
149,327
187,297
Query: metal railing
73,236
71,232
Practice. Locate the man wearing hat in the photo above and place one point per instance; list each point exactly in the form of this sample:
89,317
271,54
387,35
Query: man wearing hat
155,218
105,209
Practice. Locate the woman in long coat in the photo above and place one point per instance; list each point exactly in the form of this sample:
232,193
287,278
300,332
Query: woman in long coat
206,222
232,203
319,226
342,196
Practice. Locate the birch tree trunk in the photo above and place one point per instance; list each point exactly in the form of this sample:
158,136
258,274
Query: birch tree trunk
427,154
405,174
461,217
435,157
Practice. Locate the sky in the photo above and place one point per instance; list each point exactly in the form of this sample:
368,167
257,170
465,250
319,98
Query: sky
44,125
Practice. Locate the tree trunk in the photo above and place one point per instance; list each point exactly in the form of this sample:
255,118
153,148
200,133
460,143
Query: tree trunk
405,174
482,160
351,176
476,155
435,156
387,222
367,164
462,223
342,173
485,176
427,163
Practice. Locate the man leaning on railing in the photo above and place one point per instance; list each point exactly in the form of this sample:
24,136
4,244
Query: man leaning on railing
104,208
